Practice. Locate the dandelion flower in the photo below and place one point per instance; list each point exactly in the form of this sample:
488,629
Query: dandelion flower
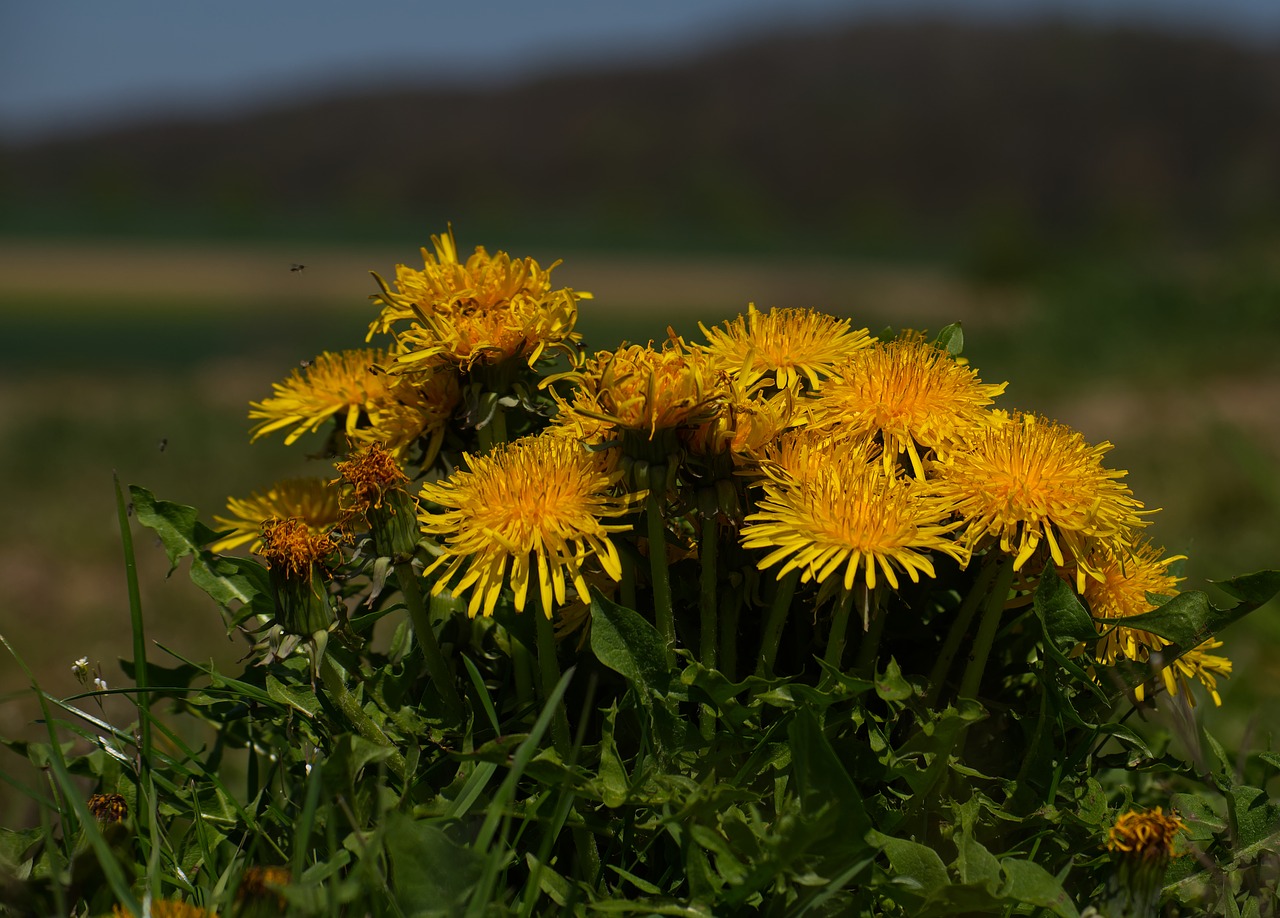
846,512
345,386
1032,480
483,310
540,500
166,908
911,393
1121,592
645,390
1145,836
262,884
311,500
373,492
788,345
417,409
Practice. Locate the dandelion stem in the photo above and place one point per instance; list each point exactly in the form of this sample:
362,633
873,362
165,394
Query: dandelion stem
959,627
839,627
730,613
971,681
522,669
664,615
336,688
437,666
549,667
781,605
865,663
708,555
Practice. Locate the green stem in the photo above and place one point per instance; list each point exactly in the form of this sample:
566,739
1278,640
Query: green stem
959,628
499,424
437,666
839,627
549,667
729,618
987,627
778,609
864,664
336,688
522,669
708,555
663,613
627,586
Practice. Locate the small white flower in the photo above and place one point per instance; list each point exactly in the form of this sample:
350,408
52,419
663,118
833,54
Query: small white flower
100,683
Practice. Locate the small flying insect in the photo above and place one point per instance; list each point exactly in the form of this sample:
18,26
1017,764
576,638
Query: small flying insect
304,363
295,267
164,442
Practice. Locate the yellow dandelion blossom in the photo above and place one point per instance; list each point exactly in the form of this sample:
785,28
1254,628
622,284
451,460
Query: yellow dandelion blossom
1196,664
646,390
311,500
841,509
484,310
1121,592
912,394
1147,837
417,410
1032,480
788,345
746,424
344,386
540,500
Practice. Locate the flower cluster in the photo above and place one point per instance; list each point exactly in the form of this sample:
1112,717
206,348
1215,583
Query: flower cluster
835,459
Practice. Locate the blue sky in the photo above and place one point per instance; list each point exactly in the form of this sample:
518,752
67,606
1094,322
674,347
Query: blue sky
68,65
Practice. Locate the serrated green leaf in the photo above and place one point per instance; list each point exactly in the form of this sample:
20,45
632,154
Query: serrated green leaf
891,686
429,870
1189,619
300,699
914,866
626,643
1030,884
824,787
1066,620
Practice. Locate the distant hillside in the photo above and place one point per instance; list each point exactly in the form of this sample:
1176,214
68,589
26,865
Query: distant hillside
924,133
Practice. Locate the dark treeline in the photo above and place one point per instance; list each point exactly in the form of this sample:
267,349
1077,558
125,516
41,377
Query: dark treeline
924,134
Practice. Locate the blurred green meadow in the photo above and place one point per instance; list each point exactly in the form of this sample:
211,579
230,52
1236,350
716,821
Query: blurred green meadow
141,358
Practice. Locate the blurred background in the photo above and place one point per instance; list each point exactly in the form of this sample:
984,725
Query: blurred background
1092,188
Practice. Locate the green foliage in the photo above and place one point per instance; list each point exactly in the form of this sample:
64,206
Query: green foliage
479,766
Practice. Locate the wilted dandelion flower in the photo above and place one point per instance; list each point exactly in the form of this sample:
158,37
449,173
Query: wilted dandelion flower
1032,480
911,393
1121,592
345,386
312,501
1197,664
483,310
538,501
298,561
844,511
645,390
108,808
788,345
373,493
1142,844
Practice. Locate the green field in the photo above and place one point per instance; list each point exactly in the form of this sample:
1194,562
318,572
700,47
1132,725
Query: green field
1173,361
